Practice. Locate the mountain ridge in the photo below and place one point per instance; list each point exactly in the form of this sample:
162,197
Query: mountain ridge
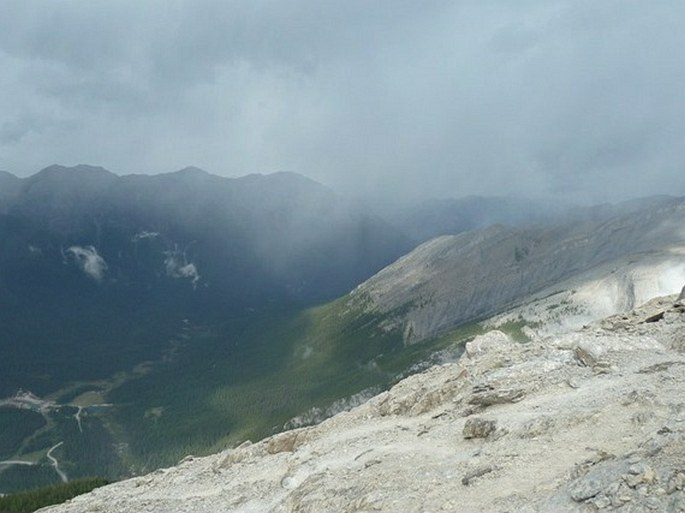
451,279
431,218
191,248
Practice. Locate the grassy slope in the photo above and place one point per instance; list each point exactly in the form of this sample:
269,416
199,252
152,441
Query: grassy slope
247,386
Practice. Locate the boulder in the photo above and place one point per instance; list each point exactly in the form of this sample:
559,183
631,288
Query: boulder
479,428
488,395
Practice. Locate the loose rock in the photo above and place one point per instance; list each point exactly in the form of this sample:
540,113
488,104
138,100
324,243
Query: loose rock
479,428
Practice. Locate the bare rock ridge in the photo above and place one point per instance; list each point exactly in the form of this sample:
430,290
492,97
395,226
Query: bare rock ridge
452,279
592,420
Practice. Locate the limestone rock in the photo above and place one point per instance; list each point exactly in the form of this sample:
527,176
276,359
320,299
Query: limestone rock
488,395
285,442
675,482
603,351
476,473
476,427
492,341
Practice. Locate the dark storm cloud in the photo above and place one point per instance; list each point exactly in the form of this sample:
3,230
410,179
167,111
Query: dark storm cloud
441,98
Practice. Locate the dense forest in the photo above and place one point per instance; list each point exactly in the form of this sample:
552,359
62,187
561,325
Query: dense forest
26,502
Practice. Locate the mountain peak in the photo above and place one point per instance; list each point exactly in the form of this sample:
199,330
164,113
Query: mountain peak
279,177
192,170
7,174
56,178
9,188
80,169
9,178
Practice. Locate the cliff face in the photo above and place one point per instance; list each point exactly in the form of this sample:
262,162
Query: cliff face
615,287
586,420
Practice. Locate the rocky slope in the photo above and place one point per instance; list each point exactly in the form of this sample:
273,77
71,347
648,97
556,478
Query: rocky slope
583,421
454,279
615,287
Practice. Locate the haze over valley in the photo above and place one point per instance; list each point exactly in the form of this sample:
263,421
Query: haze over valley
296,247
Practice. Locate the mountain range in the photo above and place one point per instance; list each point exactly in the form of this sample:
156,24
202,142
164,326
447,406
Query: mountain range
88,249
145,318
453,279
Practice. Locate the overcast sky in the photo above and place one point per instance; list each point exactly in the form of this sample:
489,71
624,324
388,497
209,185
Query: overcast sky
440,98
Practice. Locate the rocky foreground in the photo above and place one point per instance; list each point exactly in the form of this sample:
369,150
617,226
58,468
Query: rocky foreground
592,420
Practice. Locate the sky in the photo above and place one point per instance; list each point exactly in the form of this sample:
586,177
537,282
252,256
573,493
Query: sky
558,98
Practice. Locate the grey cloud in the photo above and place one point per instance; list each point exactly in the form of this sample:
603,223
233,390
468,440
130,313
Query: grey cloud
14,130
435,98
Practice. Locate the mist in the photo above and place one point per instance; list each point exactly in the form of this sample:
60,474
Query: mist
577,100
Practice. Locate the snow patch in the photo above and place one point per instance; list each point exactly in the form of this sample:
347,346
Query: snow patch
90,262
145,235
177,266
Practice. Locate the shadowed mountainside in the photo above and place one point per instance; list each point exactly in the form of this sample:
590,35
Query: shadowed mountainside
121,261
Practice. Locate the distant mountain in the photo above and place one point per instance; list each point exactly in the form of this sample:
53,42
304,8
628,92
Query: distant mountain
299,236
9,188
432,218
436,217
127,302
83,248
454,279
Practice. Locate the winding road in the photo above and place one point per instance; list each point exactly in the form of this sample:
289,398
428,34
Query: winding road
77,416
55,463
17,462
